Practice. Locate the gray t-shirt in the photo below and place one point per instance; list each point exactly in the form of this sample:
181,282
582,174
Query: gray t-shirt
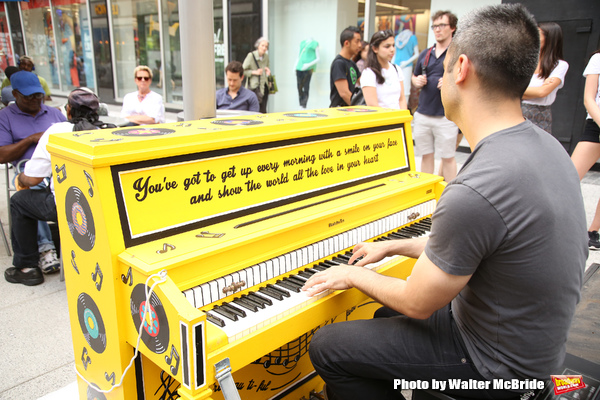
514,218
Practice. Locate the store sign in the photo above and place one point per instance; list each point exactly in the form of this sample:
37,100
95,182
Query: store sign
100,9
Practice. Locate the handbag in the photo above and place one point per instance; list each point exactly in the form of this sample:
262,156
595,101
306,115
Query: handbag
357,99
272,82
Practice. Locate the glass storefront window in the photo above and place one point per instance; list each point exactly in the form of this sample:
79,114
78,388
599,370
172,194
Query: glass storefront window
74,44
136,33
220,46
39,38
6,52
170,73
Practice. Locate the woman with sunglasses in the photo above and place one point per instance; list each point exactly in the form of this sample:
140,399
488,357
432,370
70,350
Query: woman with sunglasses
549,76
382,82
144,106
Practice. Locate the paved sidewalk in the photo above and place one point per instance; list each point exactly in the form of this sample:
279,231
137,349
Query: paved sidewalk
36,354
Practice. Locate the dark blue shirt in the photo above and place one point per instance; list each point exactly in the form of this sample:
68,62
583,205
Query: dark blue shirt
245,100
430,99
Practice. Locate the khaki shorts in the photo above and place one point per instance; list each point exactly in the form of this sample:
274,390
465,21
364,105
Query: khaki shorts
434,135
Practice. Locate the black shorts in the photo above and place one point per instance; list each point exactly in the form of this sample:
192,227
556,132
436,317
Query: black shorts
591,133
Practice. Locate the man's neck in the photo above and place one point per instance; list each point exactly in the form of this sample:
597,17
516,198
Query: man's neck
440,47
484,119
233,94
346,53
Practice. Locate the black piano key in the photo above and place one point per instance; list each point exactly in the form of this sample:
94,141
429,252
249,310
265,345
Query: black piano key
261,298
246,304
312,270
224,312
340,260
288,286
215,320
271,293
296,280
254,300
283,292
231,308
319,267
306,274
330,263
296,284
399,235
412,230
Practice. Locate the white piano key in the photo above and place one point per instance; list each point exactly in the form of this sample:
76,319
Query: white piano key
214,291
262,272
189,294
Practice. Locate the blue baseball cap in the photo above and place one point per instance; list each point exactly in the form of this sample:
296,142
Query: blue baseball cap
27,83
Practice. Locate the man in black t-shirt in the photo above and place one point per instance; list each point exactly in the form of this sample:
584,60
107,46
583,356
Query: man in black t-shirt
344,72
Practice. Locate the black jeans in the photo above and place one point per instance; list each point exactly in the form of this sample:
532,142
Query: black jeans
303,78
360,359
27,207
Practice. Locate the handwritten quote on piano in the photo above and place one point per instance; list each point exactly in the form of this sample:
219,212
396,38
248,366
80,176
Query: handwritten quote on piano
239,180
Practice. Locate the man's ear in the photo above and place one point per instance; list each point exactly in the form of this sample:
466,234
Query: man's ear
462,67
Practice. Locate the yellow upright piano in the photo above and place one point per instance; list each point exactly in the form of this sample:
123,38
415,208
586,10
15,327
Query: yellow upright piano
189,242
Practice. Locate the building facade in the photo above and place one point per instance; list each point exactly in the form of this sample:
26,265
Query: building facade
98,43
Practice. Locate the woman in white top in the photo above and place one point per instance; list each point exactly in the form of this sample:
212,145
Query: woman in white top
381,81
144,106
587,151
549,76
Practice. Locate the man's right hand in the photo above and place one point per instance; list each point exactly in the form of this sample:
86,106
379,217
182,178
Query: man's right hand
370,252
35,137
420,81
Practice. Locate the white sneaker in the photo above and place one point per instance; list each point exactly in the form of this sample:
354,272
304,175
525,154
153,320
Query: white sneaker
49,262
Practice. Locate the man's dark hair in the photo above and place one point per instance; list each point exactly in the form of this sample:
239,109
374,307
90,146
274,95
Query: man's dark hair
235,67
503,43
452,19
348,34
10,70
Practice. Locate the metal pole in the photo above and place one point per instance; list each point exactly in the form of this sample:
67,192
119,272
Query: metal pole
197,59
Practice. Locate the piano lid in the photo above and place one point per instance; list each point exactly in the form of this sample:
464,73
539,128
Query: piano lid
170,179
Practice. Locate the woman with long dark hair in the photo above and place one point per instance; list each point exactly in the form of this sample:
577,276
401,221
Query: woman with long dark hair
587,151
549,76
382,82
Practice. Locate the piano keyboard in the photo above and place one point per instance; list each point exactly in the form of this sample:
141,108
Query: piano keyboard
268,302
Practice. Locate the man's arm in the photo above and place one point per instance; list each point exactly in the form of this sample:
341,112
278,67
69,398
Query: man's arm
253,103
344,91
141,119
428,289
11,152
25,182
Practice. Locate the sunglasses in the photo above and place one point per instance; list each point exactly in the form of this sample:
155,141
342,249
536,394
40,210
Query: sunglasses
387,33
143,78
36,96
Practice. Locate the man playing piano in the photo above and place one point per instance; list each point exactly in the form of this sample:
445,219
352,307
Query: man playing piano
495,286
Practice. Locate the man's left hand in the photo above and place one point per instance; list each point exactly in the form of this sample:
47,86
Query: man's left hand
19,184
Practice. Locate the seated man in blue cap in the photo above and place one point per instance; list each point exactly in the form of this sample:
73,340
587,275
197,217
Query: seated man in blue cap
21,127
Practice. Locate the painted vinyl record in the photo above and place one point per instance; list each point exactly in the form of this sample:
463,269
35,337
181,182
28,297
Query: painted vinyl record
80,219
143,132
356,109
91,323
236,122
155,333
94,394
305,115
